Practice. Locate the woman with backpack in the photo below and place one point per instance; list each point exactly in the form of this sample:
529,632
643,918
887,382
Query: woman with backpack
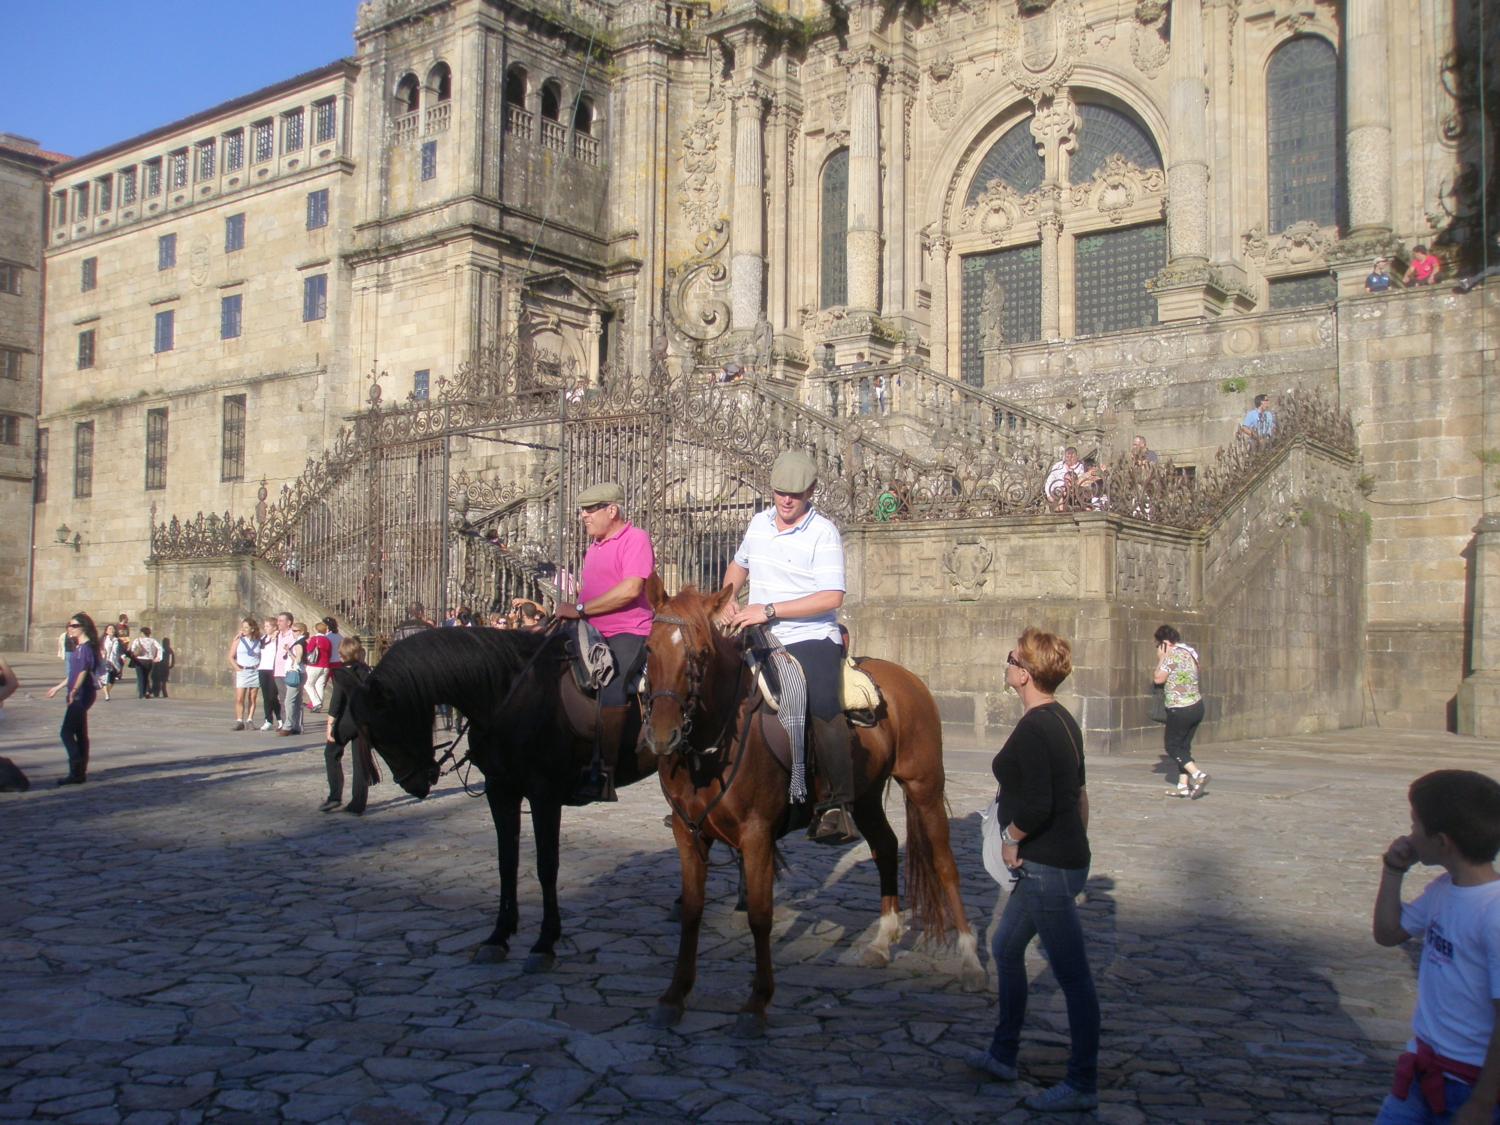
244,659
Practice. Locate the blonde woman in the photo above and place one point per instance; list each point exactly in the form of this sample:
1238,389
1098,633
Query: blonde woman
244,659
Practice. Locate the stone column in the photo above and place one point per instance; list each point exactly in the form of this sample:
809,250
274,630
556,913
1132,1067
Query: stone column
591,341
937,248
1367,64
1050,226
747,233
1187,176
863,237
901,94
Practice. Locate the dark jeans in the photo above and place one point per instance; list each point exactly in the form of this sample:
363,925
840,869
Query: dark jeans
1042,905
142,678
333,753
630,654
269,701
1182,724
159,672
75,734
822,665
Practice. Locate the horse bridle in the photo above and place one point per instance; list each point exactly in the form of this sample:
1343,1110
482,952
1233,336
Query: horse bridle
687,705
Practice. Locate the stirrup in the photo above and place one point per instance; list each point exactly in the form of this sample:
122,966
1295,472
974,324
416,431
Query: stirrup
592,787
833,826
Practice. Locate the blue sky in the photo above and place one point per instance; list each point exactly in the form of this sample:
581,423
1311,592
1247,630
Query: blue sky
81,74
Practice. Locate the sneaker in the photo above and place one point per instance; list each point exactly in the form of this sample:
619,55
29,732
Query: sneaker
983,1060
266,725
1062,1098
239,724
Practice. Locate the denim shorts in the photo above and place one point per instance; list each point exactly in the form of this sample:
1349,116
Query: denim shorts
1413,1109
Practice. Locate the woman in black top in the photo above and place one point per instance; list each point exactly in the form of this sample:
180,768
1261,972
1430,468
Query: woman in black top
342,731
1044,806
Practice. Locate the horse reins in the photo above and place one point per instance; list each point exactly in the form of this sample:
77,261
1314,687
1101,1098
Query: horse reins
687,706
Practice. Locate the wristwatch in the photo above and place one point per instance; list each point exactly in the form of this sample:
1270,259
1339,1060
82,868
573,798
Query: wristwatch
1006,841
770,612
579,607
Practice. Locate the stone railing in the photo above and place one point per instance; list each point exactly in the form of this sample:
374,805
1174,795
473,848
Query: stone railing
438,117
404,128
585,148
518,120
554,135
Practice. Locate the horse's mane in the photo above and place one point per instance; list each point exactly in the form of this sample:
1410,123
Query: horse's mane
453,664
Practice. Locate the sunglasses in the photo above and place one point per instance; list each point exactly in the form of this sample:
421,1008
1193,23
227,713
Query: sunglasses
595,507
74,625
1010,658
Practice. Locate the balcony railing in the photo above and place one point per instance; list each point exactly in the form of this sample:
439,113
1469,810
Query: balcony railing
554,135
585,148
404,129
438,117
517,120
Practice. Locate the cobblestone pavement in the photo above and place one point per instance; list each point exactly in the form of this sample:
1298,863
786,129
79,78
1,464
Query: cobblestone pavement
187,939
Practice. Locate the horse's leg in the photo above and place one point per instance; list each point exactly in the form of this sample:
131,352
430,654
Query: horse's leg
546,826
757,853
694,873
505,809
927,843
870,819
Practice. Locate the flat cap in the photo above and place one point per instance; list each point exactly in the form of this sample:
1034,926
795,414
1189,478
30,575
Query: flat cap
794,471
606,493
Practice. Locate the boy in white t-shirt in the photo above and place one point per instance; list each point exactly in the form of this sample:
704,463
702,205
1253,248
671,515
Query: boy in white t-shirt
1451,1069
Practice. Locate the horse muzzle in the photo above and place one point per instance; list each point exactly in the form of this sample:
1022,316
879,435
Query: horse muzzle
419,781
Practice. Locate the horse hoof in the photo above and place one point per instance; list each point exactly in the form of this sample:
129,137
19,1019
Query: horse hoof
973,979
539,963
675,914
488,954
749,1026
874,959
665,1016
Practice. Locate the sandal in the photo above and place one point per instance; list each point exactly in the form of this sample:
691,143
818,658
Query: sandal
1200,779
1180,791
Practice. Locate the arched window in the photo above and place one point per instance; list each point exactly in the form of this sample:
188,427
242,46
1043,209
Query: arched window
1106,132
551,100
1304,130
408,95
834,273
1013,159
583,115
440,82
516,87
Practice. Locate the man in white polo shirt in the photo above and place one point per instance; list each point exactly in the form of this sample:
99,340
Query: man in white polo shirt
794,559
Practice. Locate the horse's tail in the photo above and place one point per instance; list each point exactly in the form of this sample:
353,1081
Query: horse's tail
925,899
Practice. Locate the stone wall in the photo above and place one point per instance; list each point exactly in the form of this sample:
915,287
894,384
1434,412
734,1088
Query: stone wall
198,604
1272,592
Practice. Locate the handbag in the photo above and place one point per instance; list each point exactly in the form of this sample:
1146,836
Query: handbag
294,676
990,830
1156,706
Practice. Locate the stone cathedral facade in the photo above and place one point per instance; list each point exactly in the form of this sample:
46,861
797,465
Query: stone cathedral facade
1119,214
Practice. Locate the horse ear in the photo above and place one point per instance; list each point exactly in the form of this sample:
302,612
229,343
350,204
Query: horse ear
720,600
656,593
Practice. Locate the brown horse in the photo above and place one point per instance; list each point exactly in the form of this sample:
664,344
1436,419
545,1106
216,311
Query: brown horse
706,726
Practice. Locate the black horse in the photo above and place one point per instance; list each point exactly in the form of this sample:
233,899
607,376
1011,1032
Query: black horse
530,735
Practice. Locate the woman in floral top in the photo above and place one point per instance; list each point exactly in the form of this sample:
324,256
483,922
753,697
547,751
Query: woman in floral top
1177,671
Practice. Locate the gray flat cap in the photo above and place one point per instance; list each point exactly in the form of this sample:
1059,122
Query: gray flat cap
606,493
794,471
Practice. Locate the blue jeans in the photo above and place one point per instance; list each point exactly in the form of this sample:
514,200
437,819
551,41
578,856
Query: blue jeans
75,733
1041,905
1413,1109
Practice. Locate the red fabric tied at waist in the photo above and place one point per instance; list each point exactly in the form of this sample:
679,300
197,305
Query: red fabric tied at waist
1426,1067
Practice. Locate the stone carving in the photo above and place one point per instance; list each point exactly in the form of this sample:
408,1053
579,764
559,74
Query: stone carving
1148,42
1254,242
992,314
996,211
1187,229
694,315
1301,242
199,261
838,107
1039,50
1369,182
698,194
1117,186
1056,121
1198,275
1154,573
966,563
945,90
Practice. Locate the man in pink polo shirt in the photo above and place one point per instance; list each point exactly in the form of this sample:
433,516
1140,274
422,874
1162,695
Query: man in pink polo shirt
612,596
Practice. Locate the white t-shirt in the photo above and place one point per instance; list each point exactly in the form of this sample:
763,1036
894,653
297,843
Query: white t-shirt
1058,475
783,565
1459,977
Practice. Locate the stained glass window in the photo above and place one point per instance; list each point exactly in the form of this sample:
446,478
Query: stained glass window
834,272
1014,159
1107,131
1307,289
1109,278
1303,134
1013,279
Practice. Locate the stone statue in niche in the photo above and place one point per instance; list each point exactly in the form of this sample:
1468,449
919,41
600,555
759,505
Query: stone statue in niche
992,314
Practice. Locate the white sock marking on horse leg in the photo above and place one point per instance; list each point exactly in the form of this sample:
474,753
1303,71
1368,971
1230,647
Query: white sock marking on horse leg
878,953
970,971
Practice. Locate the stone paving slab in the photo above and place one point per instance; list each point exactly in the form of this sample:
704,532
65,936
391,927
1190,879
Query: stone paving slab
186,939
